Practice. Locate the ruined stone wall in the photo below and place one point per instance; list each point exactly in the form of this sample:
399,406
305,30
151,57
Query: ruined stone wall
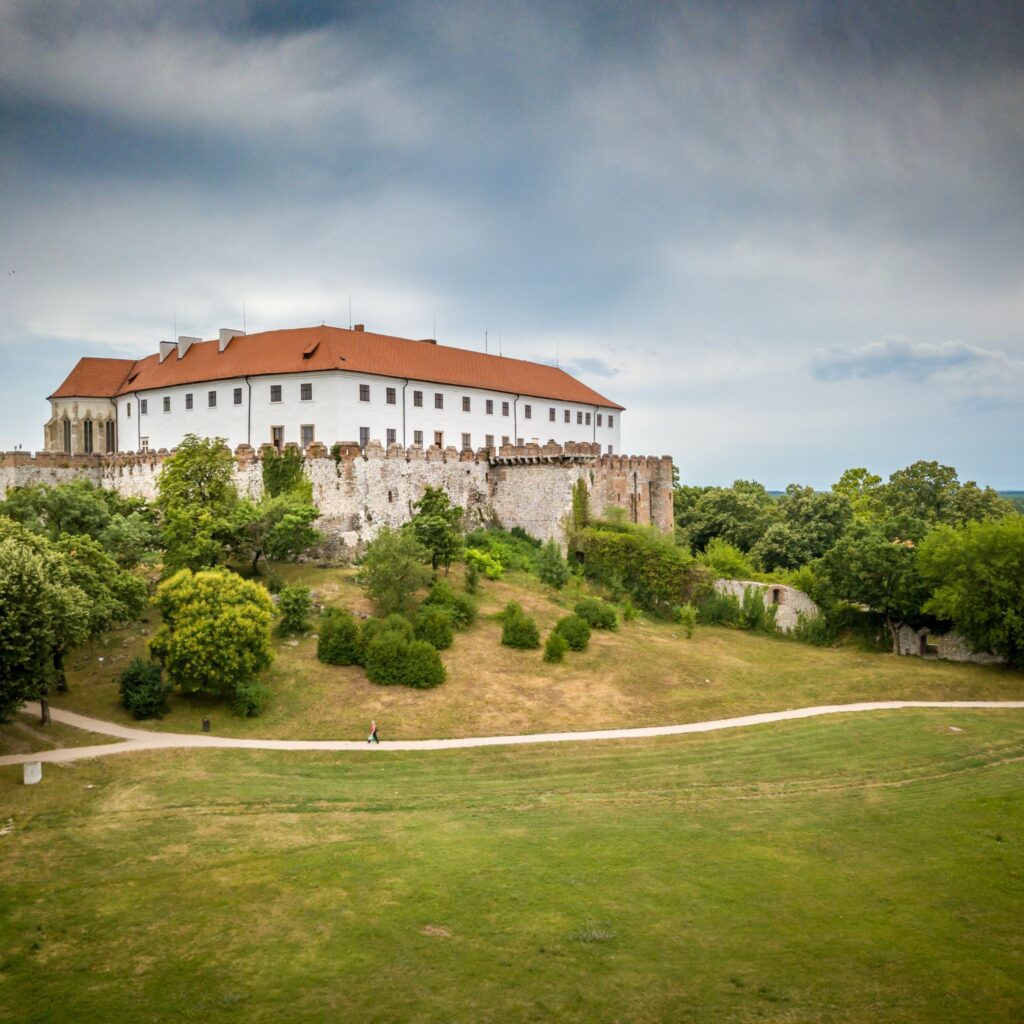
360,491
789,602
944,646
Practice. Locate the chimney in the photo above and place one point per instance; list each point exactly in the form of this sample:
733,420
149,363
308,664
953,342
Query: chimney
166,348
226,334
359,327
185,343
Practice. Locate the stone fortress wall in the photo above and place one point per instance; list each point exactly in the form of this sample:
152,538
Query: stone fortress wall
361,491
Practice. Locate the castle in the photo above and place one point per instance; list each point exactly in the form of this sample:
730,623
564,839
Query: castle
424,415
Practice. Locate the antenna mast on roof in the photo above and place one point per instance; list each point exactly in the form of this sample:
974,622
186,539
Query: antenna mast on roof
499,341
434,335
244,327
556,353
350,311
486,349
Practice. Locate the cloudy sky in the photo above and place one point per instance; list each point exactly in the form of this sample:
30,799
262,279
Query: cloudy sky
788,237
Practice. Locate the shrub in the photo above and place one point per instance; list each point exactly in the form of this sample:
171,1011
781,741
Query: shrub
393,659
422,667
755,615
718,609
725,559
249,699
274,583
295,606
391,624
515,553
143,690
551,567
472,578
555,647
519,630
339,642
629,612
434,624
597,614
814,629
575,631
460,608
486,562
686,616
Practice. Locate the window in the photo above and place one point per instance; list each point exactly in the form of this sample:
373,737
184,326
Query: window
167,403
111,440
490,407
275,392
128,408
465,403
67,436
588,419
567,415
551,414
277,437
504,408
87,436
417,399
211,399
143,444
307,433
467,441
391,396
438,400
143,406
519,441
611,449
238,396
188,400
504,439
439,438
417,437
579,416
611,421
527,412
392,436
599,419
305,392
489,441
364,392
364,436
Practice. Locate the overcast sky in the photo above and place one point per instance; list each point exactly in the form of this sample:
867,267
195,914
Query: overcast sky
788,238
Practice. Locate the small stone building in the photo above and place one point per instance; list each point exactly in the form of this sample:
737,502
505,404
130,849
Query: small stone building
789,602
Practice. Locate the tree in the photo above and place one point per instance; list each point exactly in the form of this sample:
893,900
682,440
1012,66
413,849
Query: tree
199,504
739,514
726,560
976,575
282,473
41,610
551,566
338,640
807,524
393,570
115,594
295,605
580,504
215,636
862,490
437,525
871,565
280,527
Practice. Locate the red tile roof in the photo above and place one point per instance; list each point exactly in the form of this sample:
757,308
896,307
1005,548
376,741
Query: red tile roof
309,349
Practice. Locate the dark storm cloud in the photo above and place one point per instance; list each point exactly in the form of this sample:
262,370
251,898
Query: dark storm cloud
699,196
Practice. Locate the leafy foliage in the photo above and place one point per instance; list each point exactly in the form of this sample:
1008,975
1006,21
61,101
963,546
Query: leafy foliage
551,566
459,607
143,690
575,631
282,473
249,698
519,629
393,657
215,635
580,505
277,528
686,616
739,514
484,562
515,553
339,641
755,614
555,647
597,614
295,606
393,570
433,623
725,560
718,609
806,525
976,573
437,525
115,594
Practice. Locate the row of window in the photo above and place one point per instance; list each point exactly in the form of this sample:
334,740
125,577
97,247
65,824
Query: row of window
88,443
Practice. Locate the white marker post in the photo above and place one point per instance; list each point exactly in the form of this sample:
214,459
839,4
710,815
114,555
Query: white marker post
33,772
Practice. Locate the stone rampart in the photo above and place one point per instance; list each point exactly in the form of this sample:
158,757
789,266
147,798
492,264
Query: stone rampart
789,602
358,491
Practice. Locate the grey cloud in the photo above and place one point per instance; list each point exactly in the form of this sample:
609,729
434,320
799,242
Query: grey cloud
903,358
590,366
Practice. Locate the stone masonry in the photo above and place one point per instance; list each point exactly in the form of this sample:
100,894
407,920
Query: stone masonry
359,491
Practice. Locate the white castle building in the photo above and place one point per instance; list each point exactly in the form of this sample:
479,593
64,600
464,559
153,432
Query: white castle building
323,384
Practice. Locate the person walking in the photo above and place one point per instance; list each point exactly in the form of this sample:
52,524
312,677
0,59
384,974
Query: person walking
373,737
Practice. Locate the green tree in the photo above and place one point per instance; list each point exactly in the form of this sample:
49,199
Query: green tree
976,575
276,528
295,605
437,525
739,514
871,565
726,561
338,640
215,637
551,566
580,504
282,473
41,612
807,524
862,490
394,568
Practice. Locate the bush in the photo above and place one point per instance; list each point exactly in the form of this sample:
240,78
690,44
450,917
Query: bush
725,559
339,642
486,562
718,609
393,659
815,630
519,630
597,614
434,624
391,624
755,615
274,583
422,667
520,534
295,606
249,699
515,553
555,647
629,612
551,567
143,690
686,616
460,608
575,631
472,578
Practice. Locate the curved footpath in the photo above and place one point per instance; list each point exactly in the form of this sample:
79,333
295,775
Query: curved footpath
143,739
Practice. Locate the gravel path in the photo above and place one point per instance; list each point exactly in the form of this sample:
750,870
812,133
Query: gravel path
143,739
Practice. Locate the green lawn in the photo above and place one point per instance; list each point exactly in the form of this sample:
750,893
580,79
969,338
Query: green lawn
856,869
646,673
